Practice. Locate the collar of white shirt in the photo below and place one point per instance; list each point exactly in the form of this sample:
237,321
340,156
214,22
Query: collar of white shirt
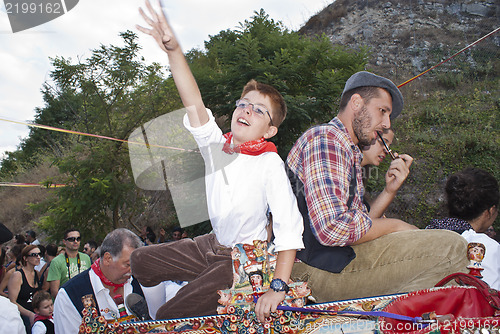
107,306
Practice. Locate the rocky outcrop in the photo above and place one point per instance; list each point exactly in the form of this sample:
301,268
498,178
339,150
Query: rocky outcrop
407,35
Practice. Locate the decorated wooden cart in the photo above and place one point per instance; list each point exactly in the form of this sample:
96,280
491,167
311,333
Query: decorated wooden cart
470,308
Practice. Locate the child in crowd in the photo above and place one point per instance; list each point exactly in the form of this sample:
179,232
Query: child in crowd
43,307
239,195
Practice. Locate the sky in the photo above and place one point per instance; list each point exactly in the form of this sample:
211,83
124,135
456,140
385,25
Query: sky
25,55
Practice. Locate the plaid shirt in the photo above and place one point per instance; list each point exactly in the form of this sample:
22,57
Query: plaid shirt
322,158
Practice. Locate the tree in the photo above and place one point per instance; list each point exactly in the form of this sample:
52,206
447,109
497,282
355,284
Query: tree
110,94
113,92
310,73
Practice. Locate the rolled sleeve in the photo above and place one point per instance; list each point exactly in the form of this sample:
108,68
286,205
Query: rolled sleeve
207,133
287,220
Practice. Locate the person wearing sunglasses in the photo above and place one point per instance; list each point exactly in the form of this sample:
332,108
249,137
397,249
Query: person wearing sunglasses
245,177
107,280
24,283
66,266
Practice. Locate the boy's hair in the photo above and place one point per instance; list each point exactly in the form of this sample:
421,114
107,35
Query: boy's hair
39,297
387,131
278,102
471,192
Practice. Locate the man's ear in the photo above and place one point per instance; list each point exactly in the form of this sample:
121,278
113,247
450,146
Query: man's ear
271,132
106,259
356,102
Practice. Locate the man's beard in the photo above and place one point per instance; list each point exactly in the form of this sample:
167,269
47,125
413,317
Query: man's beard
361,122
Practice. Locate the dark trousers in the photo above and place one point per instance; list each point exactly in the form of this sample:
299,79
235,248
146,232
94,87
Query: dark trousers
201,261
27,324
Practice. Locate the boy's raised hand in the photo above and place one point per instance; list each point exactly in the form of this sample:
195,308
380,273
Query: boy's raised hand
186,84
160,29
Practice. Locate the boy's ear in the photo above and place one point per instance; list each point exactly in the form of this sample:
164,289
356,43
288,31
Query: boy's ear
271,132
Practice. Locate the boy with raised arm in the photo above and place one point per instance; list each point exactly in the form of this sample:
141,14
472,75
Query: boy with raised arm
239,195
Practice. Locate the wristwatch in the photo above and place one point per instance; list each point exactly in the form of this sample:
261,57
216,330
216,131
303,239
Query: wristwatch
279,285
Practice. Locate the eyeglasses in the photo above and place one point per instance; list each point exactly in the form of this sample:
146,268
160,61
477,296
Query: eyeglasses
257,109
73,239
34,255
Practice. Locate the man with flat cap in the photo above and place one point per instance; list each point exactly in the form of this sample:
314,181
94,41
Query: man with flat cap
347,253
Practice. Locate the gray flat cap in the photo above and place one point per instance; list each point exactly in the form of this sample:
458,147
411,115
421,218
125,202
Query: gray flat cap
363,79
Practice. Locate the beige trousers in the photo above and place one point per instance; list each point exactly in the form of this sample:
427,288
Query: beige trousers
394,263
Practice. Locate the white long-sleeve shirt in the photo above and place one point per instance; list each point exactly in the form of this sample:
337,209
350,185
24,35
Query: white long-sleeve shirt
39,327
10,318
67,319
240,190
491,261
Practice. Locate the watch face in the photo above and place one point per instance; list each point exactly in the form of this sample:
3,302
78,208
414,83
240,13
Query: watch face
278,285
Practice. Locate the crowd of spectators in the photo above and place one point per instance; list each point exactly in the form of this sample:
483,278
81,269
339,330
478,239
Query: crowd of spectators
26,274
25,269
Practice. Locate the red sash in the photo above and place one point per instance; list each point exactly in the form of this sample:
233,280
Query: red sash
253,147
97,269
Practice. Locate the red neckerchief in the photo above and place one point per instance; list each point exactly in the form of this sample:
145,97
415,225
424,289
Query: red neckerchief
97,269
39,317
253,147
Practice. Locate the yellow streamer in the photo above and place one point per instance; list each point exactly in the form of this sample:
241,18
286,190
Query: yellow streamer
31,185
